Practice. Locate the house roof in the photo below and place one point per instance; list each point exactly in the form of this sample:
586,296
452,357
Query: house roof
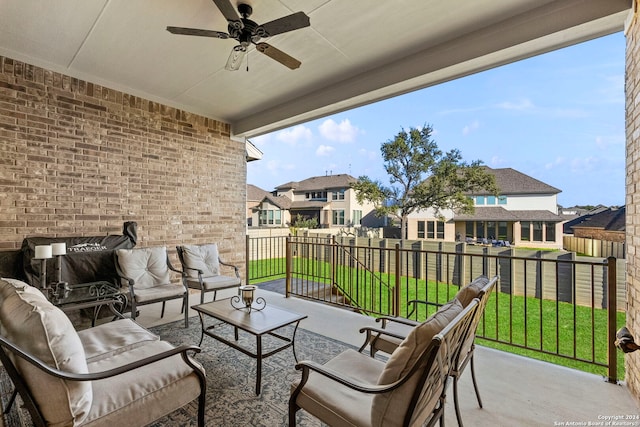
610,220
283,202
308,204
255,193
498,213
513,182
354,53
319,183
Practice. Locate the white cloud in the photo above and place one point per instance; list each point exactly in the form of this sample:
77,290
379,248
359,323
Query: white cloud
523,104
470,127
294,135
325,150
260,140
368,154
497,161
558,161
341,132
584,164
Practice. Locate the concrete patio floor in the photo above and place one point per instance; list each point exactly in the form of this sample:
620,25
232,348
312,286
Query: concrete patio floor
516,391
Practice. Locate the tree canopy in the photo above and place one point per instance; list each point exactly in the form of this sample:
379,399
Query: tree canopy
421,176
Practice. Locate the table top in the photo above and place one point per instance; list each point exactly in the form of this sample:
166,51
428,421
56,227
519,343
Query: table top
83,292
256,322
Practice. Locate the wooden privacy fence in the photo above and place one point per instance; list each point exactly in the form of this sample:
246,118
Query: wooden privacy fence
594,247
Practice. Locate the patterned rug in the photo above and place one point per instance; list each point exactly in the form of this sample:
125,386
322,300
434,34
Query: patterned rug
231,399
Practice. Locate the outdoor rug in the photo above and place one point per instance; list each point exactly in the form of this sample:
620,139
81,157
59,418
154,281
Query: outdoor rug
231,375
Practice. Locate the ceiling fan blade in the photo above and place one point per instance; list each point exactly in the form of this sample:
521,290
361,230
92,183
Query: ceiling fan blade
286,23
229,12
197,32
278,55
235,58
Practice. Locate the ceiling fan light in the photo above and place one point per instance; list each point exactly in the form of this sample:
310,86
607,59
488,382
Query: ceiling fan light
235,58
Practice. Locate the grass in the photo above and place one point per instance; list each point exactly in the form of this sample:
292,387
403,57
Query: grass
557,332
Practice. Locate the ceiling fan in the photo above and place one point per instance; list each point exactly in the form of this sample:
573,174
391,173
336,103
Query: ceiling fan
247,32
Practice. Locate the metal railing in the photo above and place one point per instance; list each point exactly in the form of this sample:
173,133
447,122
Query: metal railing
559,306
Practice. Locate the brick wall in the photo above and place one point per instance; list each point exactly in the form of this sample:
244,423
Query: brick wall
632,91
79,159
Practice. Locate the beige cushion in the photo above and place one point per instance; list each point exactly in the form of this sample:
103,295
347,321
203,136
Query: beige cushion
214,282
387,343
335,404
113,338
201,257
390,408
37,326
467,293
146,266
143,395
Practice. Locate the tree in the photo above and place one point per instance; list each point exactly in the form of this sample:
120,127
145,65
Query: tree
421,177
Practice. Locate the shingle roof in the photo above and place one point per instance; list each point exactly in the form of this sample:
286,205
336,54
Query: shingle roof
283,202
311,204
501,214
255,193
319,183
611,219
510,181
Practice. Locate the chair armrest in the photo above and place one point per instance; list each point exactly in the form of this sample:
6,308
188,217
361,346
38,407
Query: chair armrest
402,320
370,331
172,268
306,366
182,350
235,269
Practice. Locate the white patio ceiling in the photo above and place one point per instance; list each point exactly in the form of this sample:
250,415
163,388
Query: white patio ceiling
355,51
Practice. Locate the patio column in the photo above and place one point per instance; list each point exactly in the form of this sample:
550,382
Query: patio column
632,92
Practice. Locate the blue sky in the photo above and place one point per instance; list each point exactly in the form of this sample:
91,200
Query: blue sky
558,117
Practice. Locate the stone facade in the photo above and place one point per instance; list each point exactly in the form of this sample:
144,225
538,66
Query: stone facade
632,91
77,158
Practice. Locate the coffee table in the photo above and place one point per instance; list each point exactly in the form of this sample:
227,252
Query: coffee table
257,323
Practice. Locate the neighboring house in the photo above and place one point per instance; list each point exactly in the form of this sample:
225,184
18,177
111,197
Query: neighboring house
255,195
329,199
606,225
524,213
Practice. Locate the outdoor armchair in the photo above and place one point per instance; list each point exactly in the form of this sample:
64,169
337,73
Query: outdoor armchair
394,329
409,389
147,271
117,373
201,267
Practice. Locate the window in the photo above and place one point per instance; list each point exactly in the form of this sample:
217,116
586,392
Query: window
469,232
491,229
537,231
502,230
480,200
430,230
502,200
525,231
270,217
316,195
480,229
338,195
550,232
491,200
338,217
357,217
